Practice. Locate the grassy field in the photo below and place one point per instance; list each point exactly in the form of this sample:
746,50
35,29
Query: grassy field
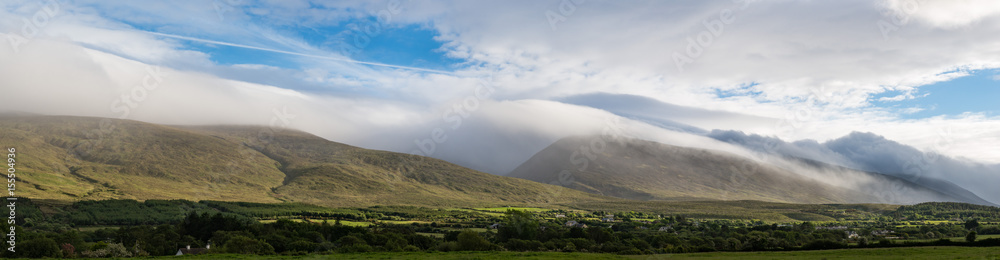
953,239
504,209
988,253
744,209
867,253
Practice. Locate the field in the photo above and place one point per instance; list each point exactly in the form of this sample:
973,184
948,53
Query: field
953,239
880,253
644,230
873,253
504,209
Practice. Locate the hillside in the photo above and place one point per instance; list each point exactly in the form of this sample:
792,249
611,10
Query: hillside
79,158
643,170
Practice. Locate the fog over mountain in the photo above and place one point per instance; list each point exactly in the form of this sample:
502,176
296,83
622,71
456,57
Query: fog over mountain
643,170
487,85
871,152
669,116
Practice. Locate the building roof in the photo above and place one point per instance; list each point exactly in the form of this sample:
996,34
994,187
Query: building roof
191,251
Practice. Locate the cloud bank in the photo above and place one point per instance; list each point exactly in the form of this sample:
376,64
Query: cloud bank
787,69
874,153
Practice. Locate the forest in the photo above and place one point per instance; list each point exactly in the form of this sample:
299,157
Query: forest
129,228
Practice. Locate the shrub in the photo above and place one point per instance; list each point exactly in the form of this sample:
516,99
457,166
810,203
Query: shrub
40,247
246,245
823,244
470,240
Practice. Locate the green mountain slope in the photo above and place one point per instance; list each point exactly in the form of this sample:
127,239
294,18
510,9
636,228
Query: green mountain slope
643,170
77,158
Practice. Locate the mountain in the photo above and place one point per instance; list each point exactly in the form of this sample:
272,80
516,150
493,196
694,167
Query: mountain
868,152
644,170
78,158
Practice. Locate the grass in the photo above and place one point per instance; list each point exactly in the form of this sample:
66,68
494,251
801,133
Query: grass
744,209
504,209
953,239
145,161
94,228
915,253
928,222
355,223
75,158
909,253
420,255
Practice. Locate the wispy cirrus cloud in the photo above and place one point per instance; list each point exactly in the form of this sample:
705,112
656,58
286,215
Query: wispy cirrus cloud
822,71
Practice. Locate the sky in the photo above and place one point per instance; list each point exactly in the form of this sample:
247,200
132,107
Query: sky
486,84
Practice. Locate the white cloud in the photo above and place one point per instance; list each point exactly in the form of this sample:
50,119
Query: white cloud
816,65
911,110
945,14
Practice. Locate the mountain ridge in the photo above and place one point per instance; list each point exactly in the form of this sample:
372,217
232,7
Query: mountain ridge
645,170
77,158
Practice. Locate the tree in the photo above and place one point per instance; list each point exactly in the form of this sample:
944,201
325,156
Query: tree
470,240
972,224
302,246
807,227
246,245
68,250
823,244
518,224
576,232
40,247
118,250
599,234
971,237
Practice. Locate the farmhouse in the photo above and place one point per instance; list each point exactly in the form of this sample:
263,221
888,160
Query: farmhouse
192,251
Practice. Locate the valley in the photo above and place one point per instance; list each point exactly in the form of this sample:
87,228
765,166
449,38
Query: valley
141,189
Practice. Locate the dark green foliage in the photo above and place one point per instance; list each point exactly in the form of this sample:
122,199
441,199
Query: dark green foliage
947,210
129,212
223,225
518,224
272,210
823,244
40,247
246,245
972,224
522,245
471,241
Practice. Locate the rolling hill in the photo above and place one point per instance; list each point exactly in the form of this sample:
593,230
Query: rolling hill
644,170
81,158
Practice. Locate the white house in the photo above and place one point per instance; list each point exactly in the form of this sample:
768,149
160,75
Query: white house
193,251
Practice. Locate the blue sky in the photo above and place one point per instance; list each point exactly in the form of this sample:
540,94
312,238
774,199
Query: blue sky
408,45
432,57
976,93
